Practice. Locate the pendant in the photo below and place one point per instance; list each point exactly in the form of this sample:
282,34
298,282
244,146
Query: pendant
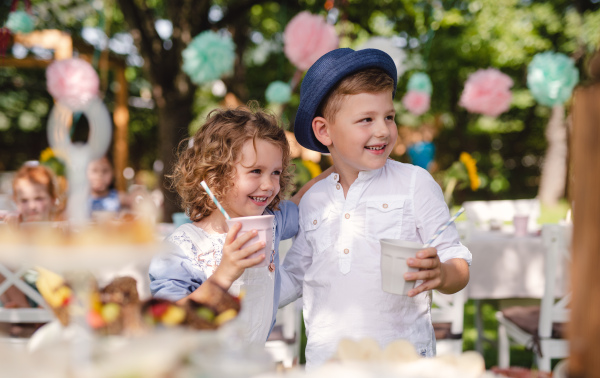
271,267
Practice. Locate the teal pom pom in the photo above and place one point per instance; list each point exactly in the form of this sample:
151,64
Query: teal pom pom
278,92
208,57
551,78
419,82
19,22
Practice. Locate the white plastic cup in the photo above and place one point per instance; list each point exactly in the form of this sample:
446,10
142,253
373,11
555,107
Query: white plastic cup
520,222
264,225
394,254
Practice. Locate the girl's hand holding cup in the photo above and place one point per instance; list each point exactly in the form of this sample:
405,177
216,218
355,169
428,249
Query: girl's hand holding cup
235,258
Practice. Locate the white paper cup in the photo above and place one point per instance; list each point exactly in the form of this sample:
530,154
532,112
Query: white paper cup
394,254
264,225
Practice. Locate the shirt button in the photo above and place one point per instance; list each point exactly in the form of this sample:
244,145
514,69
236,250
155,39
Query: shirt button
347,216
385,205
346,251
335,177
337,186
315,221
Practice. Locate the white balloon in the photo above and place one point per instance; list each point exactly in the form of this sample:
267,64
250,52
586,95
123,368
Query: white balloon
386,45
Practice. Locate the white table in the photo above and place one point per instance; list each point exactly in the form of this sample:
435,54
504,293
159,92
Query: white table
506,266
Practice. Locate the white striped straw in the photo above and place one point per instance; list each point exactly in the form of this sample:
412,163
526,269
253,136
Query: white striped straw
443,227
214,199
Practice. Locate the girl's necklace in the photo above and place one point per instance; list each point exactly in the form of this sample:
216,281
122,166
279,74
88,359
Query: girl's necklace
272,263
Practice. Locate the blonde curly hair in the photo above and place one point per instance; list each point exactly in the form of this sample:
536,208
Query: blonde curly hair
214,151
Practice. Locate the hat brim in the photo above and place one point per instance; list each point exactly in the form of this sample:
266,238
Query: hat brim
323,75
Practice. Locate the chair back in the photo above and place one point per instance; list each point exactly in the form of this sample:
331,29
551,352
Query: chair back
557,240
41,314
480,213
449,308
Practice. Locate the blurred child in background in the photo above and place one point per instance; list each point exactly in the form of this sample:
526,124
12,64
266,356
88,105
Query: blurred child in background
103,195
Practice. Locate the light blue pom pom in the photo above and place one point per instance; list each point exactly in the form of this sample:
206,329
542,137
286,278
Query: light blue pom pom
208,57
19,22
278,92
419,82
551,78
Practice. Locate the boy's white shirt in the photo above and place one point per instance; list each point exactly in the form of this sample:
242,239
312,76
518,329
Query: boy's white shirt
334,262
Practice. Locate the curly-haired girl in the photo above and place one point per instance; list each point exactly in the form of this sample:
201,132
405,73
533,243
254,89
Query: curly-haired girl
243,156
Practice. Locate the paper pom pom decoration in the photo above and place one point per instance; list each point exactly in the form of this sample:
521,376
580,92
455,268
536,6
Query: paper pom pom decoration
278,92
306,38
208,57
386,45
72,82
487,92
420,82
551,78
421,154
19,22
416,102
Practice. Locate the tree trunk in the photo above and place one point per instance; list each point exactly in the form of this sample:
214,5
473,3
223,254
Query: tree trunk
554,170
173,120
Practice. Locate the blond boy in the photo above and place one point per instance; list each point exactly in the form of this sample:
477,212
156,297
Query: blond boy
346,110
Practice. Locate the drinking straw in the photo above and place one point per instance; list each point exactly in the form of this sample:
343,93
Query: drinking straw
443,227
214,199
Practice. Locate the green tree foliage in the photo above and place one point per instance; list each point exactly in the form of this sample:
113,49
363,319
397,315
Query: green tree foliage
446,39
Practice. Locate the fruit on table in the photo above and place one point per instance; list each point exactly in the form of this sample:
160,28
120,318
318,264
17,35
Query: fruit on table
225,316
158,310
53,289
206,314
110,312
95,320
173,316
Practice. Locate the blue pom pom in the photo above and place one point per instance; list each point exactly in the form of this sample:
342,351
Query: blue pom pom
19,22
420,82
208,57
278,92
551,78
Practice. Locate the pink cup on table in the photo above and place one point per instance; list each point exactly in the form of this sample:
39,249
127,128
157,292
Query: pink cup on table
264,225
520,222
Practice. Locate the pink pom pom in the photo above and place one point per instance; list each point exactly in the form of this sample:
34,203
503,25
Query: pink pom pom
72,82
306,38
416,102
487,92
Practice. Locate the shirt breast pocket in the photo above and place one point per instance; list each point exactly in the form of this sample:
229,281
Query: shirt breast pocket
384,218
317,231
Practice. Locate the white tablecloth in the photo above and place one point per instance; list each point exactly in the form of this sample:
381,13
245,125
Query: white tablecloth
507,266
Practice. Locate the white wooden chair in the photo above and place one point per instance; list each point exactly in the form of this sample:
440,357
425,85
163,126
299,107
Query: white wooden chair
539,327
447,316
22,315
284,342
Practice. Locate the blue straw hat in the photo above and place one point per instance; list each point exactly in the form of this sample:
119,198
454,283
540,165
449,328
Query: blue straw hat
323,75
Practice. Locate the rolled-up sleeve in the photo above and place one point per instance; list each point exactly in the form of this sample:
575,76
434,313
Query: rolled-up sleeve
297,261
172,275
431,212
287,219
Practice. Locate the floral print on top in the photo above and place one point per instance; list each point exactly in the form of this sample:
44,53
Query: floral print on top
206,259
